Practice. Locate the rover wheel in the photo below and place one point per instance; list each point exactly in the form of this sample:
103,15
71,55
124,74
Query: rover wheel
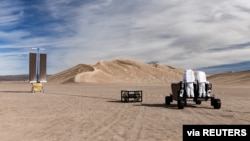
198,102
185,102
171,98
212,101
167,100
181,104
217,103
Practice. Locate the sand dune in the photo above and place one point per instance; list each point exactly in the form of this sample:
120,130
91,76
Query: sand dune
242,77
119,71
69,75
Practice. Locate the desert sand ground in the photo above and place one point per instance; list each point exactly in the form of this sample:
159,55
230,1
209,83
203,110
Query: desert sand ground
93,112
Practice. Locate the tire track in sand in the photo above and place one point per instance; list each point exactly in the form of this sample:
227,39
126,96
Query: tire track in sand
108,125
103,124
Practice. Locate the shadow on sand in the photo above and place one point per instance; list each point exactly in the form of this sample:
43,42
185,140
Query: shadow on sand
173,106
16,91
59,94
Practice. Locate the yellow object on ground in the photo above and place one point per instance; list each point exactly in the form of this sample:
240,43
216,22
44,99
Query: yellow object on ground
37,87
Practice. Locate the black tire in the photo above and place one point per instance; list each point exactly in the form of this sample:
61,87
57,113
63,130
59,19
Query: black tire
171,98
217,103
198,102
212,101
167,100
181,104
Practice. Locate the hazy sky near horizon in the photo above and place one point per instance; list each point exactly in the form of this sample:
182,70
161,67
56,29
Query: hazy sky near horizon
179,33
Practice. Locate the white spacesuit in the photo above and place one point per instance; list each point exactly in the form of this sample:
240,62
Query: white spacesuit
189,80
201,80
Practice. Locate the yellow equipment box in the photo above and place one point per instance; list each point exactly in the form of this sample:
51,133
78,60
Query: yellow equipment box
37,87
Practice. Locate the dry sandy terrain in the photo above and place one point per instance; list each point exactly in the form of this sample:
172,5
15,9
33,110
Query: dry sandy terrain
93,111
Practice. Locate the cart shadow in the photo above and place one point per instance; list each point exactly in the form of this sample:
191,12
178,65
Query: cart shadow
119,101
16,91
175,106
84,96
115,101
158,105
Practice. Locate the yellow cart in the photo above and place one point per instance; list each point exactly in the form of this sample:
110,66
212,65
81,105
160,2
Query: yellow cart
37,87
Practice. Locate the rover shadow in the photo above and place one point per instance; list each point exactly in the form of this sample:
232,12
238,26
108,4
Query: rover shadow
173,106
188,105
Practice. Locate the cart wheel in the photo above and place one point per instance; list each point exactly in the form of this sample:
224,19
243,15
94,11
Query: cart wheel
216,103
124,96
181,104
137,97
126,99
167,100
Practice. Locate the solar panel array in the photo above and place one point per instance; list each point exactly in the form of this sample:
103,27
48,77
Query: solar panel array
37,67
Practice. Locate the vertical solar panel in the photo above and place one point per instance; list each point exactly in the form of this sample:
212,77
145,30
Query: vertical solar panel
32,67
43,58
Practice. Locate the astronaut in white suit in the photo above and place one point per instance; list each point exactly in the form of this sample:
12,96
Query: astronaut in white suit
201,80
189,80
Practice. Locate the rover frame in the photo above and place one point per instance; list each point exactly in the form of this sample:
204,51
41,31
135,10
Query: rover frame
179,94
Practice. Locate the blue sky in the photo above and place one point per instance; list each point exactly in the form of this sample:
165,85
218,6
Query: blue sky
186,34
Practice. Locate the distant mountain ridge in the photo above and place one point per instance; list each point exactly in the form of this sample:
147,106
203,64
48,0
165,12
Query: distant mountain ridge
234,67
21,77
